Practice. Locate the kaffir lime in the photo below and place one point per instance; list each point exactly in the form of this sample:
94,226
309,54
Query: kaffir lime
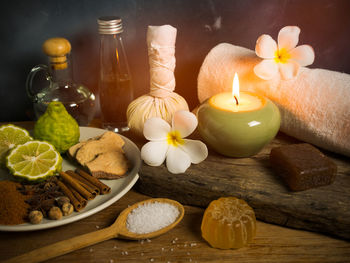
11,136
34,161
58,127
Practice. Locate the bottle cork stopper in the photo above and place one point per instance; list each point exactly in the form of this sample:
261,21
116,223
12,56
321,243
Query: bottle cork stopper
57,49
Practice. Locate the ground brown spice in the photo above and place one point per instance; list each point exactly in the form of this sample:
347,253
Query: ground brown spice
13,208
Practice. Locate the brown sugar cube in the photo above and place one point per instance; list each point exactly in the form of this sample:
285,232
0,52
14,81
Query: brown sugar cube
302,166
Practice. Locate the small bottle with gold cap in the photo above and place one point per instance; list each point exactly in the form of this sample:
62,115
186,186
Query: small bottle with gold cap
78,100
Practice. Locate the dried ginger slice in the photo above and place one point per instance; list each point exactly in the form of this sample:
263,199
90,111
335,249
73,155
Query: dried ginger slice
72,151
108,142
108,165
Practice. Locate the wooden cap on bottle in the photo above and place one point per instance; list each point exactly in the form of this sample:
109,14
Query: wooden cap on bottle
57,49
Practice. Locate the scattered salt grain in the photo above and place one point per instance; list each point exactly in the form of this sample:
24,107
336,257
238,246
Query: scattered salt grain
151,260
111,261
151,217
193,244
148,240
90,250
97,227
142,253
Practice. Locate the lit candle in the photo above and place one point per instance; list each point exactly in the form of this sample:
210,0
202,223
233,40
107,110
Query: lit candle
237,101
238,123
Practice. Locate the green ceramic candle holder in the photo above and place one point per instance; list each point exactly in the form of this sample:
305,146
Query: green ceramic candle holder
238,134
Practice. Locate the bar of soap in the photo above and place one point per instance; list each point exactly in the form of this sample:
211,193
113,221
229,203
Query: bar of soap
302,166
228,222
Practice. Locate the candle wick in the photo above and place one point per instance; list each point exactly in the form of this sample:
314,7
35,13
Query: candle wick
236,100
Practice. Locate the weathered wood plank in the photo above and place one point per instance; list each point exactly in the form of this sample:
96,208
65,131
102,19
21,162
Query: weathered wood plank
325,209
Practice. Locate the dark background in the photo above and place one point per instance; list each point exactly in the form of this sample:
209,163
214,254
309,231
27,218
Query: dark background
25,25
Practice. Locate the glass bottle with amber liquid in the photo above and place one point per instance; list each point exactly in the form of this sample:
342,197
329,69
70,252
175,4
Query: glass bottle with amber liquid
115,89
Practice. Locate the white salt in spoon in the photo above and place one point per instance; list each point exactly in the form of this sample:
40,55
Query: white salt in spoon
117,229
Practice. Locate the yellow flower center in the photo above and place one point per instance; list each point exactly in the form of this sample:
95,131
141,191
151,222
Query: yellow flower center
282,56
174,138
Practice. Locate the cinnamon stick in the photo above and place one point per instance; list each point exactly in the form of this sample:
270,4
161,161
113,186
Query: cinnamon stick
76,186
85,183
104,189
77,205
82,200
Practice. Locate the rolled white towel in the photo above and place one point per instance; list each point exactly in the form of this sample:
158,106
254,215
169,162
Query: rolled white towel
314,106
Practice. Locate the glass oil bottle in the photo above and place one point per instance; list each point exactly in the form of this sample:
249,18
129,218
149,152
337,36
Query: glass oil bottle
115,88
60,86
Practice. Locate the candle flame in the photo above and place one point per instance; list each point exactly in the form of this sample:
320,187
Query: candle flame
235,88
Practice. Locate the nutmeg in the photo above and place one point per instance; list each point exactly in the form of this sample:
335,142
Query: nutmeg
35,217
67,209
55,213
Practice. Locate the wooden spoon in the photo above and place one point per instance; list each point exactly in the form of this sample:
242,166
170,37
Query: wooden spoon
117,229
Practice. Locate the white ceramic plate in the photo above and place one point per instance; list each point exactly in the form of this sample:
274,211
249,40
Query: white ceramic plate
119,187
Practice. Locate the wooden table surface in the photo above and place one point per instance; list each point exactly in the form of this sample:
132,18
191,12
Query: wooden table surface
183,244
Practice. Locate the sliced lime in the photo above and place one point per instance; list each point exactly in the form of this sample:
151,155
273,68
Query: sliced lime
11,136
34,161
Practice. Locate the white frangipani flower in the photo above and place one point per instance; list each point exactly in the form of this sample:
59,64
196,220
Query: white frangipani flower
168,143
285,57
